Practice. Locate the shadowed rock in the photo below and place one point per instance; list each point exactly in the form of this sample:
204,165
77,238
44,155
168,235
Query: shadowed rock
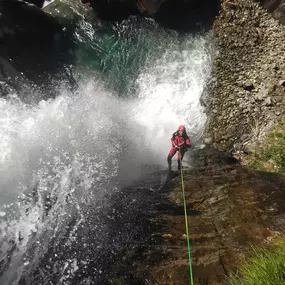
175,14
276,7
32,46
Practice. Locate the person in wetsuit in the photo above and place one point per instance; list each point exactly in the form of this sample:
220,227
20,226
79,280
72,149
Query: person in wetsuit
180,142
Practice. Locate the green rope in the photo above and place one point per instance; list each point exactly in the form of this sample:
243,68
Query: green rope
186,223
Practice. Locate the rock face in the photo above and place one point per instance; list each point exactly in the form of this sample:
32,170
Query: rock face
177,14
229,207
277,8
38,3
32,46
246,97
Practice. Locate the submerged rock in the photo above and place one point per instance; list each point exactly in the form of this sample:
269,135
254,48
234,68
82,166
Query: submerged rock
38,3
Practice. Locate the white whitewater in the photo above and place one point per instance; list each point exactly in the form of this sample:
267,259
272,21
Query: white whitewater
79,146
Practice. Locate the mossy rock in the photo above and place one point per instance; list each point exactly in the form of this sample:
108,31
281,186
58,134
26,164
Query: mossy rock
271,157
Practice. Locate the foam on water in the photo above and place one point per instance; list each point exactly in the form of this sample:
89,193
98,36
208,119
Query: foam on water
169,93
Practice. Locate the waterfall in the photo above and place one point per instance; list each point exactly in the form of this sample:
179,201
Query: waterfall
62,157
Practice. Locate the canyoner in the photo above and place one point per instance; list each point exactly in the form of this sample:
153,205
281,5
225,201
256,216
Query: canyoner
180,143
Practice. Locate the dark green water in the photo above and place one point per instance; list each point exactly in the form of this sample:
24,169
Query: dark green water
118,52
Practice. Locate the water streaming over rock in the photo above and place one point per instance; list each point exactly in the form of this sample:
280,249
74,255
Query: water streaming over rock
63,160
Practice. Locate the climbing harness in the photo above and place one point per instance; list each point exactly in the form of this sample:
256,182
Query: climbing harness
186,223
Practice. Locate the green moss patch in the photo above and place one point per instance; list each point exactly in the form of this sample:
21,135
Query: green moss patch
271,156
264,266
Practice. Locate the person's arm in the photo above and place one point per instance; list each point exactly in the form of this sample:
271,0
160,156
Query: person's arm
188,142
173,141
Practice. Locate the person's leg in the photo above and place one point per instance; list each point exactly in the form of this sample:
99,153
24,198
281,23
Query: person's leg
180,157
170,155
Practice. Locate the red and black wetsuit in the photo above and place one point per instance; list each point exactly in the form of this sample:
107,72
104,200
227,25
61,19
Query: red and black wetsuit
180,144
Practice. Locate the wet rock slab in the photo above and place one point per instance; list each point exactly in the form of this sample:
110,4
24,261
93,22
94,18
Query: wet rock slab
230,208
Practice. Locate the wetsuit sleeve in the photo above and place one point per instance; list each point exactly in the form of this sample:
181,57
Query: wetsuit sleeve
188,142
173,140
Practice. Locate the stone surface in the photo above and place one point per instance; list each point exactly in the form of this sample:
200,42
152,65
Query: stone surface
229,208
277,8
247,71
176,14
32,47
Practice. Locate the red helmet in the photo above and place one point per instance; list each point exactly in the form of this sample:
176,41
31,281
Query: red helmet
181,128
